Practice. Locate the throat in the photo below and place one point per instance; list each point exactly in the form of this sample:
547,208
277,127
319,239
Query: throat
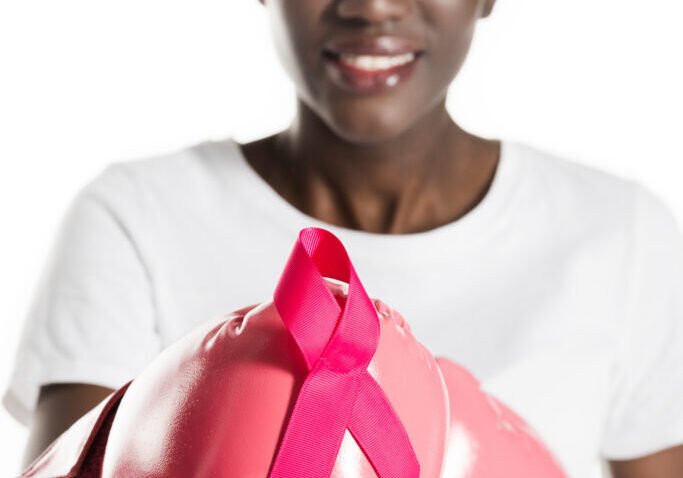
367,198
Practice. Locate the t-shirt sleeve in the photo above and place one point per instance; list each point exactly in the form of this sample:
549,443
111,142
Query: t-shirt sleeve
646,413
92,317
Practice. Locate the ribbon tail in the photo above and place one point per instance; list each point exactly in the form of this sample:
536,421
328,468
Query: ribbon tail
316,426
380,434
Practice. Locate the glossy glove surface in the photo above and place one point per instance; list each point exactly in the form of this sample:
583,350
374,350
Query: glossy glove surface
486,438
215,403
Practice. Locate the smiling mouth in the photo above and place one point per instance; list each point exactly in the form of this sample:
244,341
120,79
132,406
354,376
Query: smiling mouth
371,63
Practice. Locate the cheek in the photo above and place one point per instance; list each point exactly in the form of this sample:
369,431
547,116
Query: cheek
296,35
451,26
466,10
454,20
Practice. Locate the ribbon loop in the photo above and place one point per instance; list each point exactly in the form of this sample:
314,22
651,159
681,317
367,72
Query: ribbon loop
337,345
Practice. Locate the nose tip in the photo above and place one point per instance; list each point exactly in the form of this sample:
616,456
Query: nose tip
374,10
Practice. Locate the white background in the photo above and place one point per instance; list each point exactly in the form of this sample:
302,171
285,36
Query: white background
84,83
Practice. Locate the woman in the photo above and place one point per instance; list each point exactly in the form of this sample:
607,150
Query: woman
557,284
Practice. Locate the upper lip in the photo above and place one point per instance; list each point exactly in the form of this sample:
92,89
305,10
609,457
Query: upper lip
377,45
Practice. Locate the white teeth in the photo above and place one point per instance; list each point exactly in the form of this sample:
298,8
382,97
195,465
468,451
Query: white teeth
375,62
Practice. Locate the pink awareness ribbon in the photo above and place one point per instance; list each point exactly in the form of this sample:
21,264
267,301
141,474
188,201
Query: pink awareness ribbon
338,393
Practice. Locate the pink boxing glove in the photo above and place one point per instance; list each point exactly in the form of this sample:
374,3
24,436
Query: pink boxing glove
321,381
486,438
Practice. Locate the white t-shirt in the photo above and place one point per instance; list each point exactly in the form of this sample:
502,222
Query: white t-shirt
562,290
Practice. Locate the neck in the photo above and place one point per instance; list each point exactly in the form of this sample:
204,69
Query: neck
417,180
386,169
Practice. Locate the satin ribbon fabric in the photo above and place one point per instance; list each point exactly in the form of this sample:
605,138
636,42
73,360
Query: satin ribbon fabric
337,345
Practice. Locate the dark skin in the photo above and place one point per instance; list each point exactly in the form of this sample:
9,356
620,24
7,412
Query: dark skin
393,162
59,405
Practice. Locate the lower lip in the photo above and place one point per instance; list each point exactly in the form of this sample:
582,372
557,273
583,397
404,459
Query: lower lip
357,80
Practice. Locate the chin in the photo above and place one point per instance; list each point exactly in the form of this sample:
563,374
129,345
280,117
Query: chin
367,125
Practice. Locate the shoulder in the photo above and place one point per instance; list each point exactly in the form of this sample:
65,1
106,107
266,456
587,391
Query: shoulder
154,179
585,202
572,194
170,167
564,178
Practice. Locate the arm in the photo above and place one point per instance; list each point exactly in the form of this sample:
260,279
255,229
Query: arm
643,436
59,405
663,464
92,318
